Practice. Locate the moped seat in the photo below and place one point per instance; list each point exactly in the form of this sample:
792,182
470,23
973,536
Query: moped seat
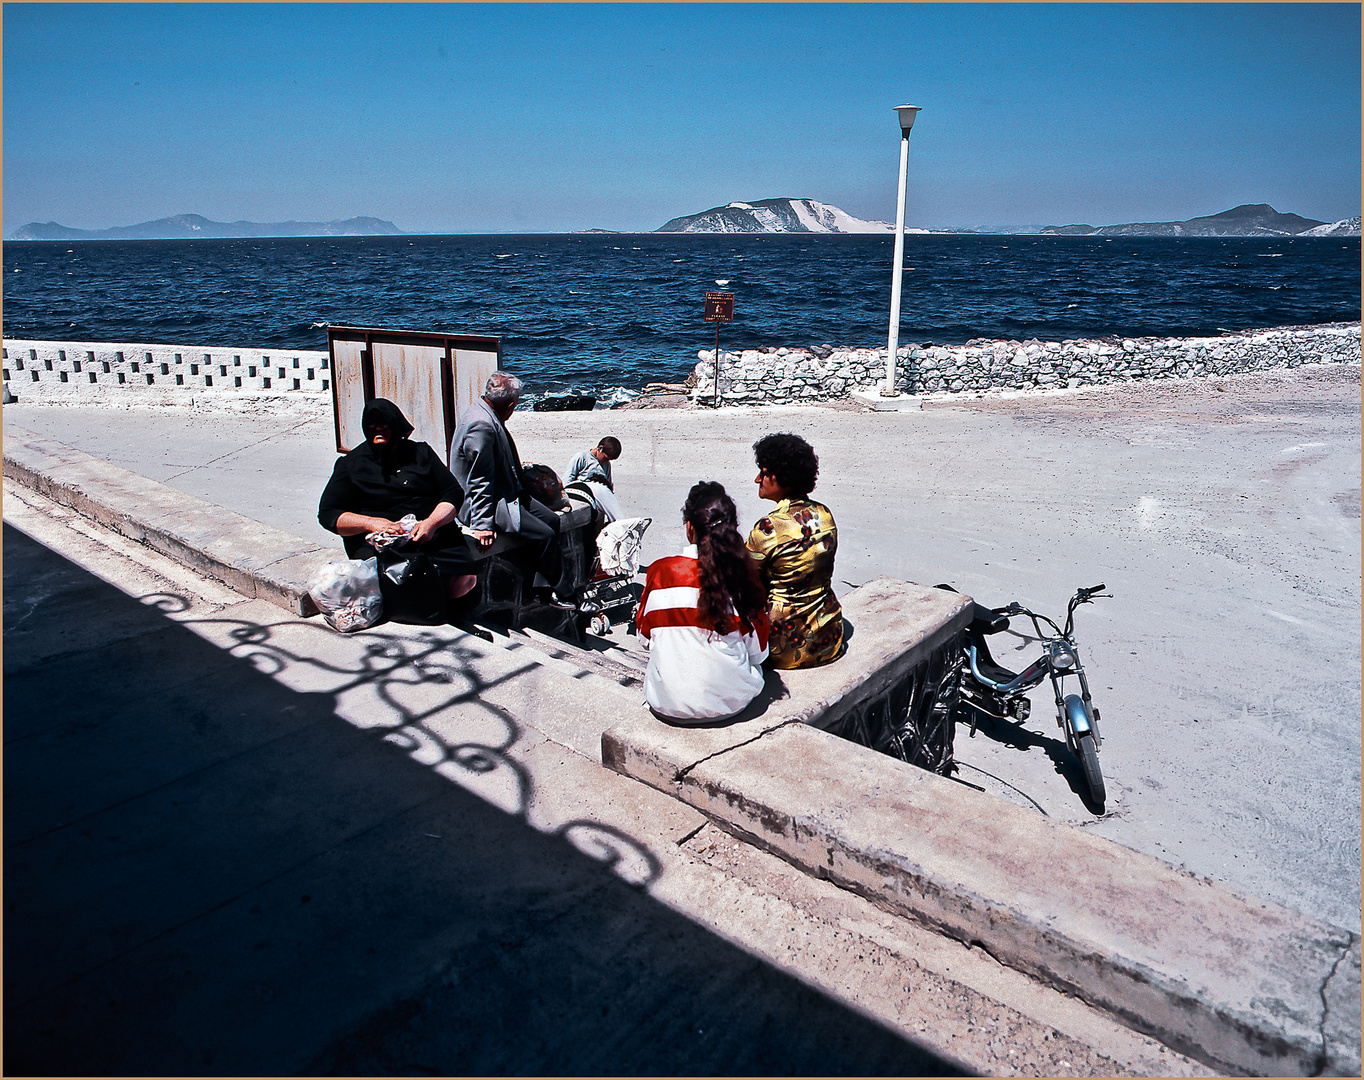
985,621
989,668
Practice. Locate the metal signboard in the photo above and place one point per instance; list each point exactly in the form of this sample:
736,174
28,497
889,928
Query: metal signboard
719,307
432,378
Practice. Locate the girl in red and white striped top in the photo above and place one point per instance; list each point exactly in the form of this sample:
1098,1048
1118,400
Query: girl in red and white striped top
703,618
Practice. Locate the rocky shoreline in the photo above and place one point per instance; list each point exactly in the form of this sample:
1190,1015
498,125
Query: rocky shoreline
825,373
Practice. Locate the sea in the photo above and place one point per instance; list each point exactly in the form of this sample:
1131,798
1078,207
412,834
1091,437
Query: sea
608,313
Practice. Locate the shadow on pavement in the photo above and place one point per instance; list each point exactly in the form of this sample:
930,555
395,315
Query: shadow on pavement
210,873
1067,765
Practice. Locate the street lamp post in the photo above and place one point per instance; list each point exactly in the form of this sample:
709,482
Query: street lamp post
907,113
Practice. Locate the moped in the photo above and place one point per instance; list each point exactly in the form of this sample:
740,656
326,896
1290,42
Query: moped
988,688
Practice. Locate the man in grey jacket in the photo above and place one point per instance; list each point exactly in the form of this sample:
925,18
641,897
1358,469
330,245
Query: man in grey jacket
485,461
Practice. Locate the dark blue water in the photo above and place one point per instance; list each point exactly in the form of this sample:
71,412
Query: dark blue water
607,310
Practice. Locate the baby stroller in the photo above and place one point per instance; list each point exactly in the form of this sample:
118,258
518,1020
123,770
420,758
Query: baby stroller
610,594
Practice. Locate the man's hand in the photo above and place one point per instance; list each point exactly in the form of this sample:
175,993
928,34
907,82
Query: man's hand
485,537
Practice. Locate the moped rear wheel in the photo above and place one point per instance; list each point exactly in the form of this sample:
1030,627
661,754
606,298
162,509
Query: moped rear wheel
1089,761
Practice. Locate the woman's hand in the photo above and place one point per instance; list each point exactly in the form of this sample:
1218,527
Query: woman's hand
349,524
426,528
423,531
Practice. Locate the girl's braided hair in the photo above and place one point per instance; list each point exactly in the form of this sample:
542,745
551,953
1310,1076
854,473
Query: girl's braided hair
729,579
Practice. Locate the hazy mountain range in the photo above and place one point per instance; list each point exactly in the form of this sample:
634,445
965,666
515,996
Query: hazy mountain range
763,216
189,226
1252,219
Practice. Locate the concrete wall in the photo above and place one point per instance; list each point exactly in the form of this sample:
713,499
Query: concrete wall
821,373
90,370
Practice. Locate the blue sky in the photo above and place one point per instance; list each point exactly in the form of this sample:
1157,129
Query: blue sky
548,118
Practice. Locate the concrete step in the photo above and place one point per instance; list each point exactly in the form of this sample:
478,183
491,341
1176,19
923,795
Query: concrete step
255,559
1241,984
929,990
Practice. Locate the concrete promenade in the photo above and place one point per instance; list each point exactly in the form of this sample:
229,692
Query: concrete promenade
240,843
137,438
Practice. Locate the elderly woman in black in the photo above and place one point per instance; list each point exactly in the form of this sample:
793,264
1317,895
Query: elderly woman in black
387,477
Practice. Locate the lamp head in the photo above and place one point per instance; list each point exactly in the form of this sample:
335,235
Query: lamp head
907,114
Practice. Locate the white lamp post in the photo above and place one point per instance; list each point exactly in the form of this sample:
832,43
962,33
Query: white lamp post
907,114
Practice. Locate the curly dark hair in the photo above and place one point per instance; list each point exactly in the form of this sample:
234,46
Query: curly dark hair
790,460
729,579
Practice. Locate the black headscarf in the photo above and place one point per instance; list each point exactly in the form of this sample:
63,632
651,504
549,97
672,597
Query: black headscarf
382,411
398,478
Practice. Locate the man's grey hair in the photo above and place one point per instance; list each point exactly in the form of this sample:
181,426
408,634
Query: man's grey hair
502,389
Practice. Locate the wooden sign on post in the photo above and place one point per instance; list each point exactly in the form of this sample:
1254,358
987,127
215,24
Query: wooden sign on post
719,308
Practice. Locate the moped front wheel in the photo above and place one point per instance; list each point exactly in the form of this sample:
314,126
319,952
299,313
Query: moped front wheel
1089,761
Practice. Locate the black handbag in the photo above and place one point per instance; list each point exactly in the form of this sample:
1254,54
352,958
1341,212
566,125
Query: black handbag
410,585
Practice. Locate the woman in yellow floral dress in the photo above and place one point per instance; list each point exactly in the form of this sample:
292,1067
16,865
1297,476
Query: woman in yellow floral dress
794,548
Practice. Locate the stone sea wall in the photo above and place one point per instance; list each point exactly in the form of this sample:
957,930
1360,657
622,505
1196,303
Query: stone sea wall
824,373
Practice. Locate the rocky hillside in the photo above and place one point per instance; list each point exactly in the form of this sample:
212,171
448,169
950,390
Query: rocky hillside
1347,227
1252,219
190,226
774,216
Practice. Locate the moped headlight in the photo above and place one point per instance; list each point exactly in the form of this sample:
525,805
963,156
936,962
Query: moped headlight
1062,657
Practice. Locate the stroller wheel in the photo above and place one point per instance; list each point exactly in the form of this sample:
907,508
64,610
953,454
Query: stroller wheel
600,624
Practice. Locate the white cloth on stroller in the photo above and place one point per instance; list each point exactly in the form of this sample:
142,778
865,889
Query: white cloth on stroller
618,545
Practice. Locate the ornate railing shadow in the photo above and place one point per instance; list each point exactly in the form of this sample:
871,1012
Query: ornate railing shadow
387,662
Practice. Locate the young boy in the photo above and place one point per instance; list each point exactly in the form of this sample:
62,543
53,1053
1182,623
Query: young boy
595,464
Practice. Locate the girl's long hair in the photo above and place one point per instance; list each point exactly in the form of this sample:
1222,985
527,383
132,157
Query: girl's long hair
729,580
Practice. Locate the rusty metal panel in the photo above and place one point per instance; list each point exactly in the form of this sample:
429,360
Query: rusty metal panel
472,368
409,376
431,377
348,392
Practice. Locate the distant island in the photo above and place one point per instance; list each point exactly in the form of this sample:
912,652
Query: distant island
783,215
774,216
192,226
809,216
1251,219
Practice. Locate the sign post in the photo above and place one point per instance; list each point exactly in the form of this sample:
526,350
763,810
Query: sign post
719,308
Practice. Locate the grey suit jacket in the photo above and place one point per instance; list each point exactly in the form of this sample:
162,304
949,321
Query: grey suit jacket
484,459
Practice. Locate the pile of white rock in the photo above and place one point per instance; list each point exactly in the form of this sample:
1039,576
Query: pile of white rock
823,373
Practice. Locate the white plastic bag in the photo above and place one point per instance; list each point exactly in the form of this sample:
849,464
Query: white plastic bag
347,594
378,541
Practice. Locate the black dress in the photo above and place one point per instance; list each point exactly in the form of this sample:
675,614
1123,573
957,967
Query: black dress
404,478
